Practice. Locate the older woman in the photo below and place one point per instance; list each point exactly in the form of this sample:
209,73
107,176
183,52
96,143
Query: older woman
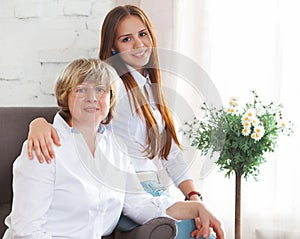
82,193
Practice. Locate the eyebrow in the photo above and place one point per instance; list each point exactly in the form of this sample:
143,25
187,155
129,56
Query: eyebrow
130,34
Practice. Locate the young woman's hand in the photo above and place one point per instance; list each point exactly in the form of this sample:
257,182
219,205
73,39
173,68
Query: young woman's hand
197,233
191,209
208,223
41,137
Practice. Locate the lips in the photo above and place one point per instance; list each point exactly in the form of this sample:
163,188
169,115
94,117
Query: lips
91,109
140,53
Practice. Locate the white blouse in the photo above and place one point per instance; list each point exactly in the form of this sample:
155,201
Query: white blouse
128,125
77,195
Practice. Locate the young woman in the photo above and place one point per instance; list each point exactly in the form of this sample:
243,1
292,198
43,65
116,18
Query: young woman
143,119
82,193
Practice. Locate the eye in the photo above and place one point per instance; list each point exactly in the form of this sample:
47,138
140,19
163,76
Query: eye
142,34
126,39
99,90
81,90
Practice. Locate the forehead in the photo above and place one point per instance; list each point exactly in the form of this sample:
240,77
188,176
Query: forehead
130,25
95,78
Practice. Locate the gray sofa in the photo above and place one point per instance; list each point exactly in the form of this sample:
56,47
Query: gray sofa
14,123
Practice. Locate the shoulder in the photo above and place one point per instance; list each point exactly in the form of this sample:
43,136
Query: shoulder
26,166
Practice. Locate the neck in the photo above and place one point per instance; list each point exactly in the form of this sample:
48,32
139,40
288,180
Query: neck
89,132
139,70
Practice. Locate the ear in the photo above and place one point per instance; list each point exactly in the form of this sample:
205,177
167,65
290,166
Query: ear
113,51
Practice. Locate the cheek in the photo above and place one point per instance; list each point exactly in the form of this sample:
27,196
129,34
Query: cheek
148,42
105,102
71,104
121,47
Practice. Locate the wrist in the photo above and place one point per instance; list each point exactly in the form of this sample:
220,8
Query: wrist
194,196
37,121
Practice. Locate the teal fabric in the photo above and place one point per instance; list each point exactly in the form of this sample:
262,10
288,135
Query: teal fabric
184,227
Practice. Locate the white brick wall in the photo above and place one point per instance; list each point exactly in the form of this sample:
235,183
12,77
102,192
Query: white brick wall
37,39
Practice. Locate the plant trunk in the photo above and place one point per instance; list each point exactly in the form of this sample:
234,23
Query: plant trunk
238,179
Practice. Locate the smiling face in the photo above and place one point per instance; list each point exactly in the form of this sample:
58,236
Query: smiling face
88,104
133,41
86,93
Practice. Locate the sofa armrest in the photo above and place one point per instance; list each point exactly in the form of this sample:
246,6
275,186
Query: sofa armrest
158,228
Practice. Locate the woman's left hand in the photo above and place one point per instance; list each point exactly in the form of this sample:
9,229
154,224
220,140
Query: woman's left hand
199,231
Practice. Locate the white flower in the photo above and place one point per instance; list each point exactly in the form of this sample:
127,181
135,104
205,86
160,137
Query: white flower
250,113
233,101
246,131
255,121
232,110
286,128
281,124
255,136
258,133
245,118
246,124
260,110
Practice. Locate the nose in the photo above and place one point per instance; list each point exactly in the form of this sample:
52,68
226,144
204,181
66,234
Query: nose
91,95
138,43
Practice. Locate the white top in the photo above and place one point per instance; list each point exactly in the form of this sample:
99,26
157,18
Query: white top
77,196
129,126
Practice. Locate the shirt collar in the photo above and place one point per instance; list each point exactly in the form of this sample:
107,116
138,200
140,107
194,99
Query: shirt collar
64,128
138,77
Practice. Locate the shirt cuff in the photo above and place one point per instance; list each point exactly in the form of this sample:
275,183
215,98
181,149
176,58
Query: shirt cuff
163,203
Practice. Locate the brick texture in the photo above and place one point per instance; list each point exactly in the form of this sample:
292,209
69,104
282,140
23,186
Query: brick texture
38,38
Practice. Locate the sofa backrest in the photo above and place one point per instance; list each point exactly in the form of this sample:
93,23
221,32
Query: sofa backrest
14,125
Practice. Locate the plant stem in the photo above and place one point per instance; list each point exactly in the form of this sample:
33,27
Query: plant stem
238,179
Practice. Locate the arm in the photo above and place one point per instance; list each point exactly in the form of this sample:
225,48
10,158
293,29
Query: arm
191,209
142,207
186,187
178,171
33,186
41,137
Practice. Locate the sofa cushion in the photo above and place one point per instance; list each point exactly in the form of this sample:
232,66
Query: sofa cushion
14,123
5,209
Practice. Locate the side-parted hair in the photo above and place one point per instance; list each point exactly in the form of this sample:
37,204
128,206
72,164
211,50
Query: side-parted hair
86,70
157,144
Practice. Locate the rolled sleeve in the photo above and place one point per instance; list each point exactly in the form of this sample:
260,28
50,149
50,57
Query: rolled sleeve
176,166
141,206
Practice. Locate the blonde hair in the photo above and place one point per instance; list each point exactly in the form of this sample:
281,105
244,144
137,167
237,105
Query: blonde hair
82,70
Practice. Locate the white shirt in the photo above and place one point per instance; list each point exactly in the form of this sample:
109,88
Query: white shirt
77,196
128,125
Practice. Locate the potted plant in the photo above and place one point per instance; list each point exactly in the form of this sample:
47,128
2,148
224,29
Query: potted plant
241,136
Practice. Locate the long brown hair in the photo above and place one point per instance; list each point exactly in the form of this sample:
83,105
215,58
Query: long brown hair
157,144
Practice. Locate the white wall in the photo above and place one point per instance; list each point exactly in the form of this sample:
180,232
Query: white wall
38,38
